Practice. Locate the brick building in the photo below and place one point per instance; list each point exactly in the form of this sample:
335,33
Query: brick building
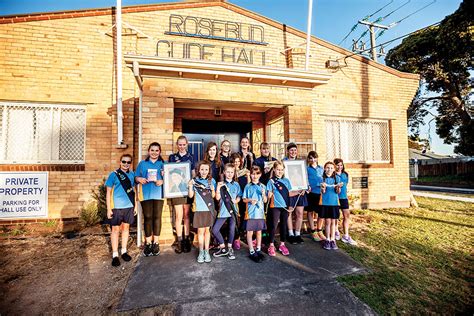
187,68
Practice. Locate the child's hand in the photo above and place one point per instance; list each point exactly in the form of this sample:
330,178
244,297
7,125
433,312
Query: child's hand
290,209
190,183
135,210
270,194
109,213
263,191
254,202
340,184
142,180
159,183
302,192
219,185
323,185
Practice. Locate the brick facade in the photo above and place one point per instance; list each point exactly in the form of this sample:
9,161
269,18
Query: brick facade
69,58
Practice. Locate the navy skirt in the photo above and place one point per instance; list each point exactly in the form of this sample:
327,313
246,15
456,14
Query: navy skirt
330,212
254,225
302,201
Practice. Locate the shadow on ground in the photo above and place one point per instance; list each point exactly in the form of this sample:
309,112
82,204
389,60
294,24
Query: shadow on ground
303,283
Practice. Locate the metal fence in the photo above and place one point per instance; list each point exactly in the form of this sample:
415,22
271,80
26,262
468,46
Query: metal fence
357,140
42,133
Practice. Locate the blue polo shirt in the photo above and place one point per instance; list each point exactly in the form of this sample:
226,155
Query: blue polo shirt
254,191
315,177
149,191
344,178
234,190
200,204
260,161
277,199
330,197
178,158
119,196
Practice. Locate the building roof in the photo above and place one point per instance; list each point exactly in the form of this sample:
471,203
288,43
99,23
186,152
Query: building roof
427,155
188,5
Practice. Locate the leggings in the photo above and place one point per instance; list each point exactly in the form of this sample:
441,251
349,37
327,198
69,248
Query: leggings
216,230
277,214
152,216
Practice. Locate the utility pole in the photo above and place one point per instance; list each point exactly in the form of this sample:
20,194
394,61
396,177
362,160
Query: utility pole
372,27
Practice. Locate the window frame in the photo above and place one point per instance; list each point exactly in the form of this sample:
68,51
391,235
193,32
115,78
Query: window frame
51,107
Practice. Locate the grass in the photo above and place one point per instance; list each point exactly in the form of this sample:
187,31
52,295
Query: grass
420,258
461,181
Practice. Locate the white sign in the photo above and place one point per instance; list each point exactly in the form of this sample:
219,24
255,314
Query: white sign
23,195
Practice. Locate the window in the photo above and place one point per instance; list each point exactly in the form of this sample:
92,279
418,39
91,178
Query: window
358,141
42,133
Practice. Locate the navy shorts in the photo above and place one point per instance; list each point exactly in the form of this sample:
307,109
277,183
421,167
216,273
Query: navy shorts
344,204
253,225
313,203
302,201
122,215
330,212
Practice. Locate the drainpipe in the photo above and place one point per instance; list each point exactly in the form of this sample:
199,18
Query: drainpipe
118,29
308,34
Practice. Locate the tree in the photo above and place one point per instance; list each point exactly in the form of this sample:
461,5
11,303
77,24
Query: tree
442,55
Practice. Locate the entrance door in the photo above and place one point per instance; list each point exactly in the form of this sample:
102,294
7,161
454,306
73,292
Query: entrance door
216,131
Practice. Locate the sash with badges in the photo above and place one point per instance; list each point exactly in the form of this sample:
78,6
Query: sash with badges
126,184
206,194
281,187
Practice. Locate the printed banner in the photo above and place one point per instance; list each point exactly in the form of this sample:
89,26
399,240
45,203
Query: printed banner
23,195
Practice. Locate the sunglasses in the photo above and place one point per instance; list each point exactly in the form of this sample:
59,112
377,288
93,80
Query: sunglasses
126,162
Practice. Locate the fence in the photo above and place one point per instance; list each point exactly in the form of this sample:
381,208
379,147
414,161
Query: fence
444,169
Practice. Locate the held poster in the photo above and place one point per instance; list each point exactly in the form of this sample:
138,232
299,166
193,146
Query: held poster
23,195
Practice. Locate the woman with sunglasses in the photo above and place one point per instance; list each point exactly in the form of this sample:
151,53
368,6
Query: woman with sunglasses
150,193
121,206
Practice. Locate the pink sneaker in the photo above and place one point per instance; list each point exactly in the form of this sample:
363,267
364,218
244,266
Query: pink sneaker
237,244
272,251
284,251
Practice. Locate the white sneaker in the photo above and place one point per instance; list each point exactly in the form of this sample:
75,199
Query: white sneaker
348,240
200,258
338,235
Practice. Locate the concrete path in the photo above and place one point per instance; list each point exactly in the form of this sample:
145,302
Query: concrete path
302,284
443,196
416,187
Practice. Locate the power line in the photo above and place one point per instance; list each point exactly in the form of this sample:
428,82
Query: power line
392,40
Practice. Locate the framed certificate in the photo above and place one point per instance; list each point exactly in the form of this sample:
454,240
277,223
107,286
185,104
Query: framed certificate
176,178
296,172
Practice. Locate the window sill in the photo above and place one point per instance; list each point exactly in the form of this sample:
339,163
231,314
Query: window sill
51,167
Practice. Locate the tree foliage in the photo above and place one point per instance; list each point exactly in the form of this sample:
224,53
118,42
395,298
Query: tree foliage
442,55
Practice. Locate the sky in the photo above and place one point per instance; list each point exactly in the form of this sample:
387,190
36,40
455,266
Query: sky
332,20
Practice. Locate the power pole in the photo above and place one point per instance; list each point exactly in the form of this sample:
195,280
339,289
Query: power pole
372,27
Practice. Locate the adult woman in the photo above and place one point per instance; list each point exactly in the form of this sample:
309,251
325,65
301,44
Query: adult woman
248,157
213,158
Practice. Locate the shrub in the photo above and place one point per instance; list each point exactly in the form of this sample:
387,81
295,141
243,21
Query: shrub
90,214
100,197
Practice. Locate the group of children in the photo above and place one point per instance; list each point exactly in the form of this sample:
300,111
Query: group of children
239,192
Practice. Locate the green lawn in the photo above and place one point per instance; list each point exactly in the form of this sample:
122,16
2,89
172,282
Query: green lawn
461,181
420,258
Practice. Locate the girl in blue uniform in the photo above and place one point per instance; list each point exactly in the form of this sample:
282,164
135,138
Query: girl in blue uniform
225,152
243,178
279,193
228,193
315,177
182,205
265,162
121,206
298,202
330,204
150,193
343,180
203,189
255,195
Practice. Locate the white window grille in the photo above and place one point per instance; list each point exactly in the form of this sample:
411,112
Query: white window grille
33,133
358,141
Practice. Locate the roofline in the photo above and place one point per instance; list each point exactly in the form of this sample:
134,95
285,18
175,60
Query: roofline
43,16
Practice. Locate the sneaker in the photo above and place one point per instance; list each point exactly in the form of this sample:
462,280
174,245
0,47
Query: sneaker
155,249
284,251
338,235
254,257
291,240
220,253
327,245
230,254
187,245
125,257
115,262
254,243
200,258
260,255
333,245
147,251
236,244
271,251
179,247
348,240
321,236
207,256
315,236
299,240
